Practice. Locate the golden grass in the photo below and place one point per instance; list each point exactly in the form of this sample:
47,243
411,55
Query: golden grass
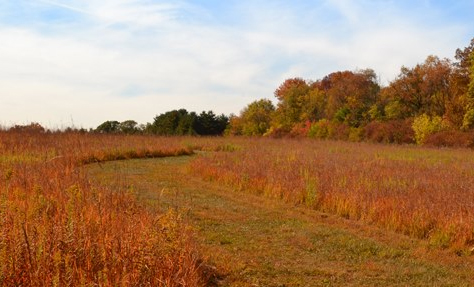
425,193
58,229
251,240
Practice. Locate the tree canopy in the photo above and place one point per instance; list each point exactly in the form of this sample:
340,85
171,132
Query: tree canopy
254,120
171,123
433,96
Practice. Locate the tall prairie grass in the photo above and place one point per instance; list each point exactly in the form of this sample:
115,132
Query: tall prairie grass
421,192
59,229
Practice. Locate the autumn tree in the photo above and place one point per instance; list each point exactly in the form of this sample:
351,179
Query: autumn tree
235,126
468,119
314,107
424,89
462,66
291,97
350,95
459,82
255,119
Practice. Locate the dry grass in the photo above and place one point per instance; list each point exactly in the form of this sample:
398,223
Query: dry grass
58,229
425,193
250,240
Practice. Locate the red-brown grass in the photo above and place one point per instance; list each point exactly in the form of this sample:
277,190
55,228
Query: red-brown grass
425,193
59,229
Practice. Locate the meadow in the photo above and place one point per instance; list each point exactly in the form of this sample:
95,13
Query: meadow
421,192
60,227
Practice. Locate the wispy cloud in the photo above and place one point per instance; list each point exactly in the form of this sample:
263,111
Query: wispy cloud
64,6
132,59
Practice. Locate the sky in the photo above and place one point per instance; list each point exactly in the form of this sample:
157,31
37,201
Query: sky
78,63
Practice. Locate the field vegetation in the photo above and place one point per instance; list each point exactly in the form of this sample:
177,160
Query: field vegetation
424,193
250,240
59,229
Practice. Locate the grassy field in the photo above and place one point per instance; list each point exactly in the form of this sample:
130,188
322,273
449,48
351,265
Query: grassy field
420,192
59,229
104,210
251,240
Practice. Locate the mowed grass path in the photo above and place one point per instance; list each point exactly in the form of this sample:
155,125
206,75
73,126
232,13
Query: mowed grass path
248,240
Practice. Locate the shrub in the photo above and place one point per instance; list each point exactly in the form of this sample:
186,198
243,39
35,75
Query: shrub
425,125
301,129
319,130
395,131
339,131
450,139
355,134
468,120
274,132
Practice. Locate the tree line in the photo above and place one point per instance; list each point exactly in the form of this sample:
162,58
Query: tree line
431,102
171,123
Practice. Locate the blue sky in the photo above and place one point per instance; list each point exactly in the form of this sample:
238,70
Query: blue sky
82,62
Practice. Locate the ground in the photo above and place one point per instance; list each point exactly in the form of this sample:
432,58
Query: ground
248,240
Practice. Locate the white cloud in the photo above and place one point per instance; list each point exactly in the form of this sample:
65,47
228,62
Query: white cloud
133,59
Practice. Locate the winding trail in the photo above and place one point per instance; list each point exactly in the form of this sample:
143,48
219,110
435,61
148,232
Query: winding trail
253,241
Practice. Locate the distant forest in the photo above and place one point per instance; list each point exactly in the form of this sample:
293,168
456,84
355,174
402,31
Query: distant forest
172,123
429,104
